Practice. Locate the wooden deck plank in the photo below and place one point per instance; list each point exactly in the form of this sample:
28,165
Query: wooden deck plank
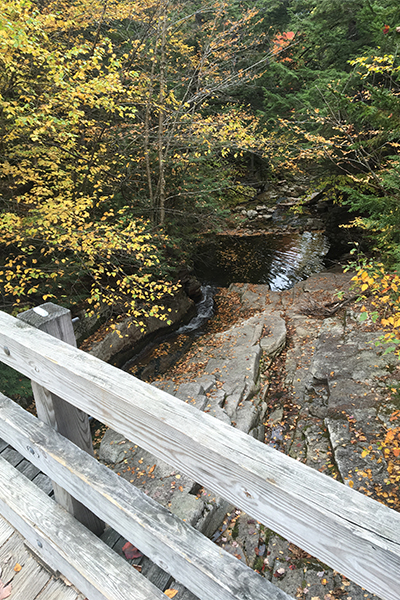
57,590
110,537
6,531
156,575
31,579
28,469
12,456
66,545
324,517
15,551
150,570
43,482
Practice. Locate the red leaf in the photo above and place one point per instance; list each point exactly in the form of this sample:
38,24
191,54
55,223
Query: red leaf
130,551
5,591
386,29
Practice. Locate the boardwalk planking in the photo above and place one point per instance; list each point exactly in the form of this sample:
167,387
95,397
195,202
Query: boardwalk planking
32,582
350,532
66,545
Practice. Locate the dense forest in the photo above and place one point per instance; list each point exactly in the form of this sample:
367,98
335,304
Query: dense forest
128,128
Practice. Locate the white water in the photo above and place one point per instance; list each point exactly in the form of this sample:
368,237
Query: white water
205,310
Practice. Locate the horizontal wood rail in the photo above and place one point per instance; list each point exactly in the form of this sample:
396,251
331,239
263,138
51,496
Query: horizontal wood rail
350,532
171,543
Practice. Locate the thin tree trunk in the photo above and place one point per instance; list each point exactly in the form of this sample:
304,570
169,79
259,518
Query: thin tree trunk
161,164
147,138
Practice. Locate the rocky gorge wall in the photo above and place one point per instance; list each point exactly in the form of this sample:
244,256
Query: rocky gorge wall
314,388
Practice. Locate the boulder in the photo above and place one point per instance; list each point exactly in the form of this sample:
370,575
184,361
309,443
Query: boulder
128,334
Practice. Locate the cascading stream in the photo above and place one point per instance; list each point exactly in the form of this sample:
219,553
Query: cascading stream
277,260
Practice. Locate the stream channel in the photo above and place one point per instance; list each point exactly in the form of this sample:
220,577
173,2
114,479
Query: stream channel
279,260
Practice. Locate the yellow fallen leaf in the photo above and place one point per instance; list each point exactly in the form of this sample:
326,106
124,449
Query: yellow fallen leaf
17,568
324,581
171,593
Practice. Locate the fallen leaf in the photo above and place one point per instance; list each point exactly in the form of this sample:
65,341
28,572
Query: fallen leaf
131,551
17,568
171,593
5,591
152,468
324,581
279,573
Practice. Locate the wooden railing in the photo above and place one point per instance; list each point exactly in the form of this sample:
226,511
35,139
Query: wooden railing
353,534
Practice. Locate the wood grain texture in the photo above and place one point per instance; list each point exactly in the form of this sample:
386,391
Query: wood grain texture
32,577
6,531
176,547
66,545
57,590
350,532
43,585
68,420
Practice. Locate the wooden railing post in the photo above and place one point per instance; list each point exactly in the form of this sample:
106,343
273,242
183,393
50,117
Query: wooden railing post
68,420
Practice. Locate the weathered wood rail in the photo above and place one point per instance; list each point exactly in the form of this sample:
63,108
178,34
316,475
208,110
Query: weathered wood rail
353,534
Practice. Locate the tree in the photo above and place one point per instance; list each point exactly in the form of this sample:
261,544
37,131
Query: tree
120,122
64,230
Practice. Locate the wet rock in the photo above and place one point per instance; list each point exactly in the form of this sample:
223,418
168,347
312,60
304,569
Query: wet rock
252,296
192,287
127,334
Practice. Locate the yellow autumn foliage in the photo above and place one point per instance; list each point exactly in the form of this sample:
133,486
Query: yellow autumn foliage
63,231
